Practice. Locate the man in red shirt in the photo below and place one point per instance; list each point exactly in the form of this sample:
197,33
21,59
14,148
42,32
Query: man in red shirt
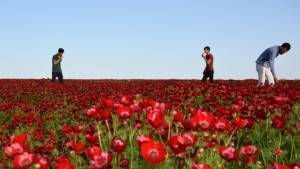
209,69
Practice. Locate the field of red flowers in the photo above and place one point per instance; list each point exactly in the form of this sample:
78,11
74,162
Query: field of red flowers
149,124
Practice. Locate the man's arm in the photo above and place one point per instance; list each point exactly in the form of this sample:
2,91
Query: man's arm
58,60
206,60
273,54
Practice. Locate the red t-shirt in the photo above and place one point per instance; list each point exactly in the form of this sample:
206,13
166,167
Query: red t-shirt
210,66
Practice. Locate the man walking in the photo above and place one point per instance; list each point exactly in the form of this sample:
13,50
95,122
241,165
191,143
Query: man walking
265,64
56,66
209,69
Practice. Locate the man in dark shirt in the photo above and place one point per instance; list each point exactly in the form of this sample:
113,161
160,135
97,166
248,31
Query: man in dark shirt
209,69
56,66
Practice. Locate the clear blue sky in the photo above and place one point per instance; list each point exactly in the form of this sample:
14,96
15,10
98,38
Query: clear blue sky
146,38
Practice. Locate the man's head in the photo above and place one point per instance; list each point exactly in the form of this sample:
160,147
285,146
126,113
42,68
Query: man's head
285,47
207,50
61,51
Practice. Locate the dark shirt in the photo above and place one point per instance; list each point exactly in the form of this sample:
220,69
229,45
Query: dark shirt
57,67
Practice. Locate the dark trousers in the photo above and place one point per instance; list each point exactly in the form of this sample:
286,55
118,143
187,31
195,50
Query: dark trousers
208,74
58,75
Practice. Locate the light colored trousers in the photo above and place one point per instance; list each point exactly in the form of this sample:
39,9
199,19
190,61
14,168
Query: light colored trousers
263,73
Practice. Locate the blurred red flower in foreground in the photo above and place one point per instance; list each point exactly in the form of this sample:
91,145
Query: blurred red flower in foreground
23,161
201,119
278,122
78,147
180,143
118,145
201,166
277,166
21,139
153,152
249,153
101,161
62,162
228,153
124,112
42,163
278,152
156,118
281,100
13,149
91,152
249,150
143,139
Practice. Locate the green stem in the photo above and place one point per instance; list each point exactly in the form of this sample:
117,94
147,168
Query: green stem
230,137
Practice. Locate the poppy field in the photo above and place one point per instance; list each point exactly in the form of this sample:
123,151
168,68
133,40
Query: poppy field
149,124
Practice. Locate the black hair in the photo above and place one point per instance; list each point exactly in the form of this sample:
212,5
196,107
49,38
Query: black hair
286,45
61,50
207,48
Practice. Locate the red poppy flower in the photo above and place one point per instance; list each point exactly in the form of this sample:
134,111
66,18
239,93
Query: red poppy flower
278,122
107,102
63,162
20,138
77,129
277,166
201,166
241,123
228,153
92,139
211,143
176,143
118,145
78,147
143,139
42,163
280,100
153,152
126,100
202,119
235,108
135,107
298,125
249,150
294,166
156,118
137,125
23,161
180,143
104,114
93,151
221,124
13,149
221,112
249,159
249,154
124,163
189,139
92,112
178,116
278,152
101,161
124,112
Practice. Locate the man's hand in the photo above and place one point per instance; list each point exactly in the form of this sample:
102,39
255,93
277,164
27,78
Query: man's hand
60,57
203,55
276,79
